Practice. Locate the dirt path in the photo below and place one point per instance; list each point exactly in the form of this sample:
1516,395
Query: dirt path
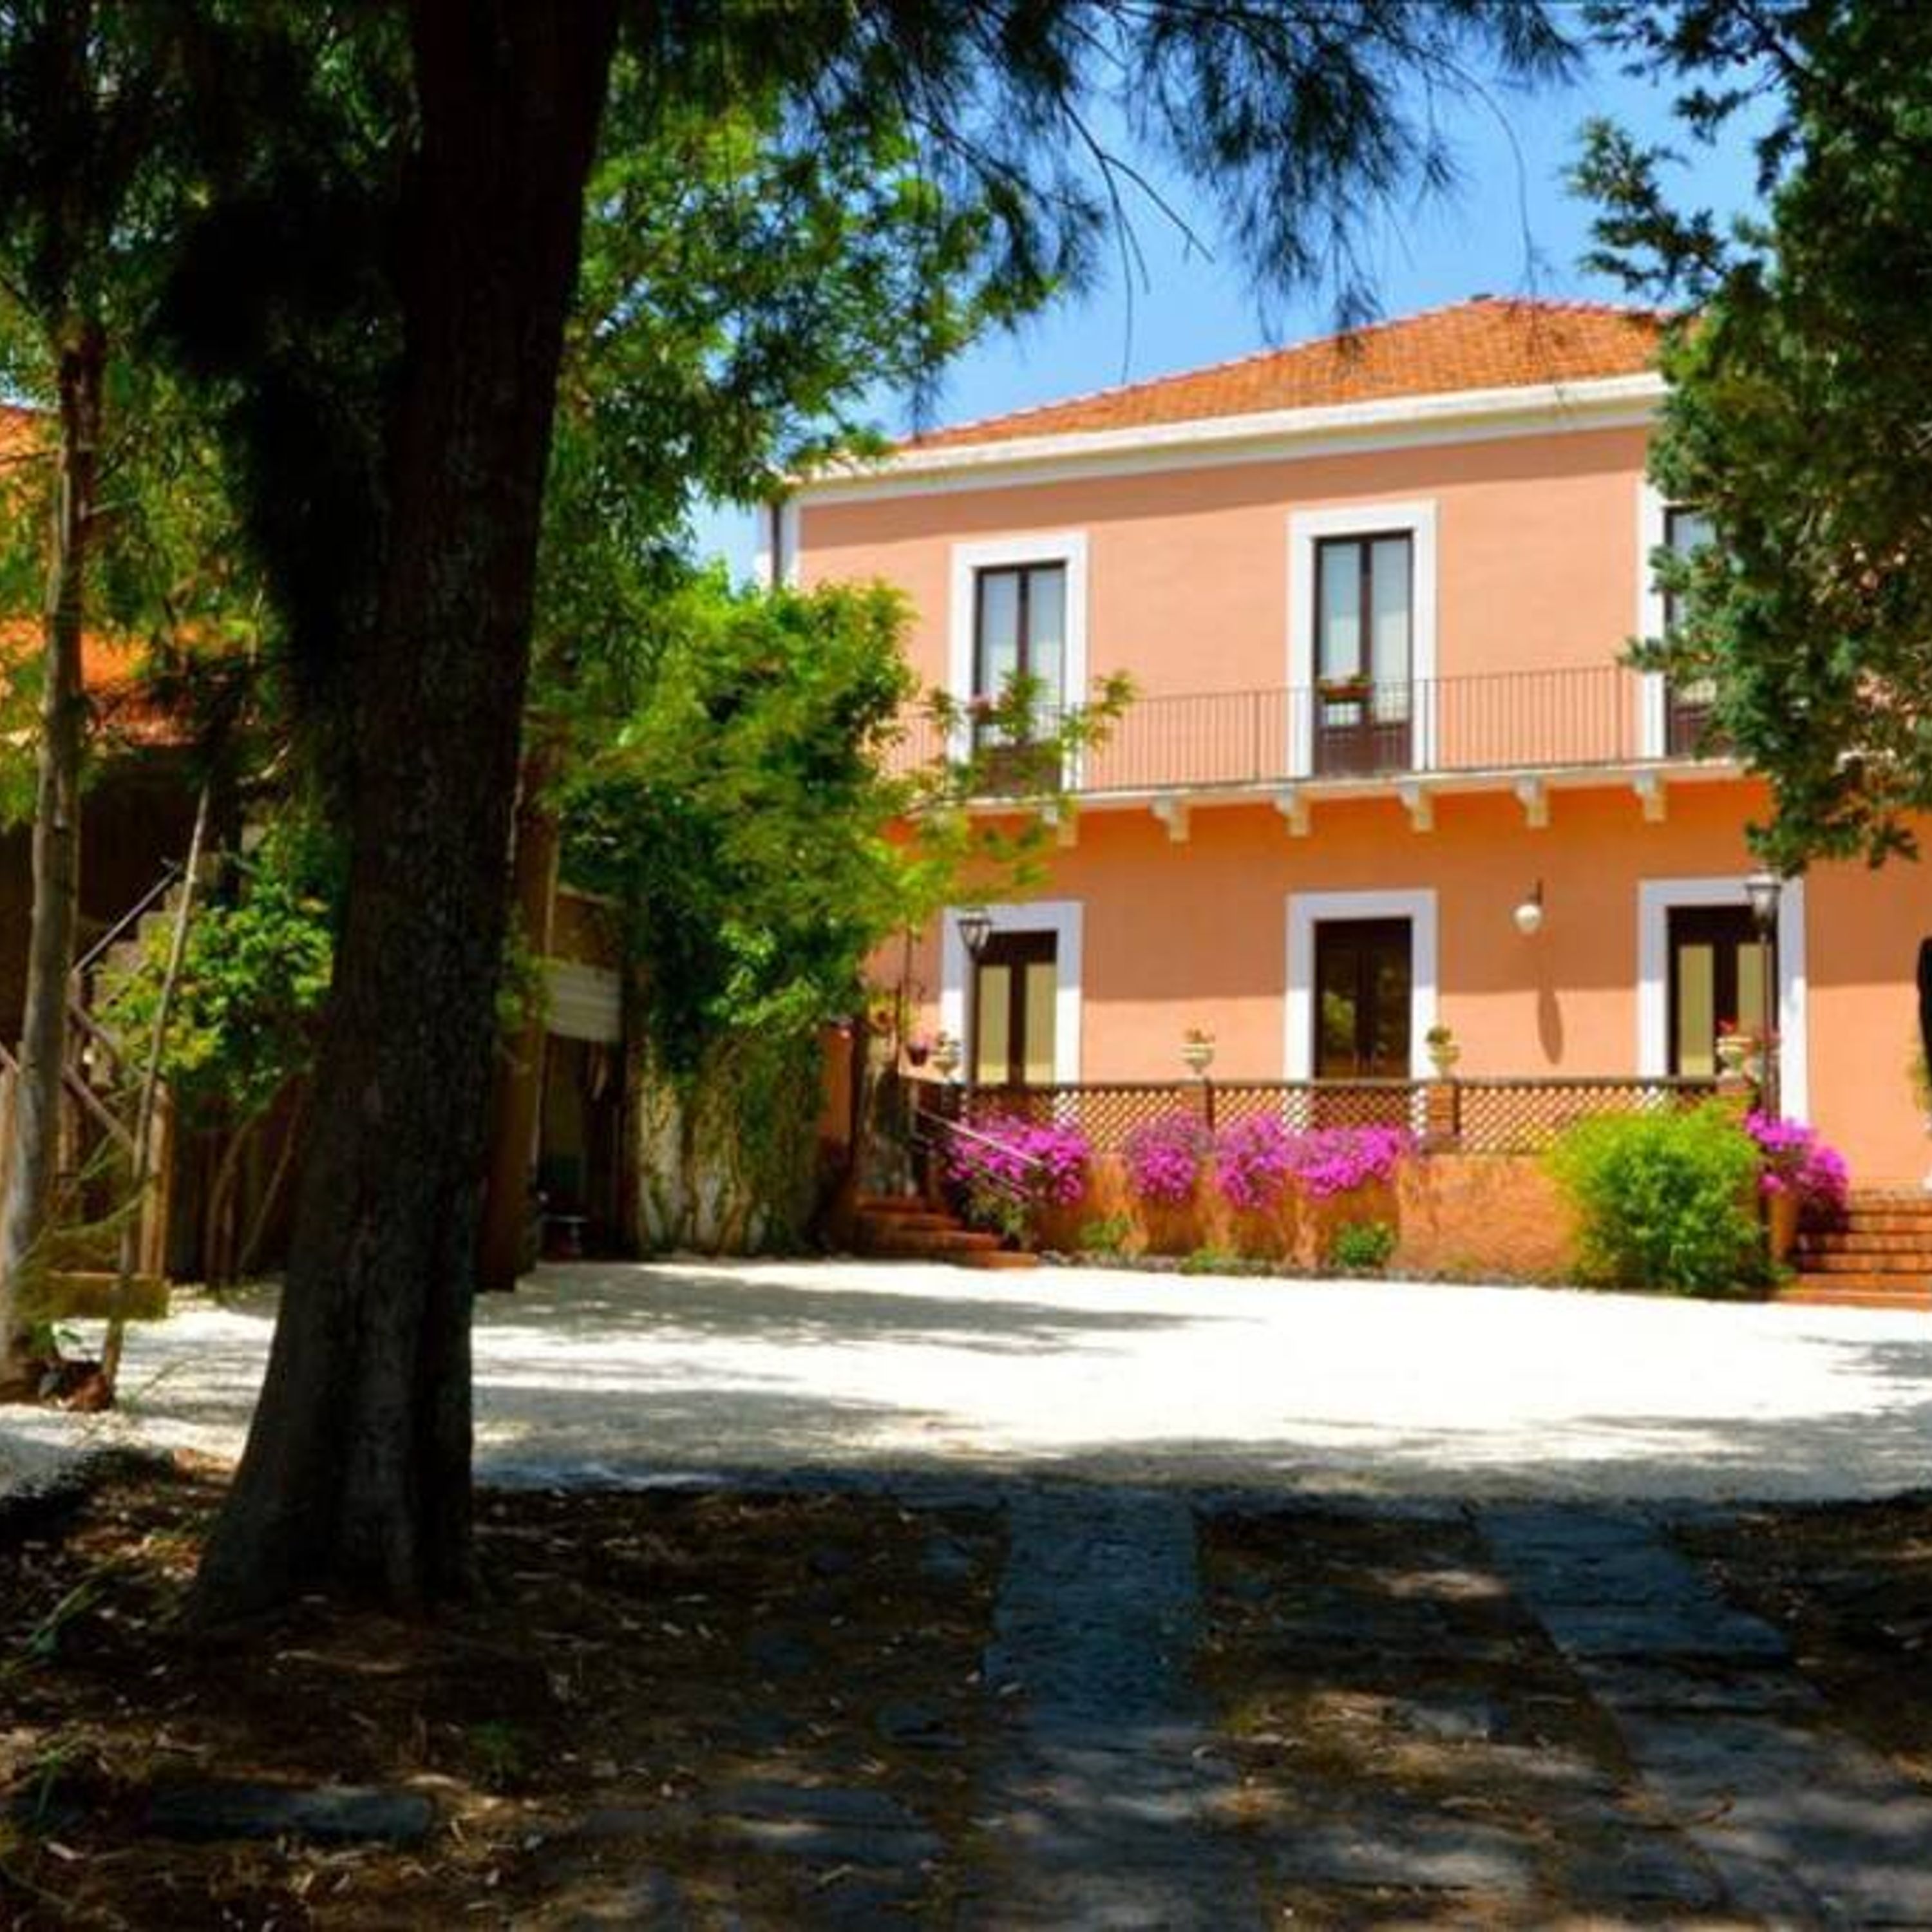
985,1703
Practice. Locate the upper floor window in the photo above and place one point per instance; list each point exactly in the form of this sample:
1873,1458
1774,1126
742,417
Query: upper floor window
1364,651
1684,530
1019,630
1687,704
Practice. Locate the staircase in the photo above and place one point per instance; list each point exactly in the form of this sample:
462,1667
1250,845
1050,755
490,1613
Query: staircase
1879,1256
903,1227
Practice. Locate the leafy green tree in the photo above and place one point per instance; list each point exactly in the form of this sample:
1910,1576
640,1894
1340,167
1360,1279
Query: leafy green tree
384,293
245,1020
85,95
759,818
1797,372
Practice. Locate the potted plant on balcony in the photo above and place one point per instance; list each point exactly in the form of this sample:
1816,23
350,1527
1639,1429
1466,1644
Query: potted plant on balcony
1197,1049
1356,688
1444,1051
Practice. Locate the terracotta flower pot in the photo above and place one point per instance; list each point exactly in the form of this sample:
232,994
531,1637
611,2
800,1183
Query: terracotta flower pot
1780,1225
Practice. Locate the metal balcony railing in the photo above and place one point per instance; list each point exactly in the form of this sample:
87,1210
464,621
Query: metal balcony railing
1535,721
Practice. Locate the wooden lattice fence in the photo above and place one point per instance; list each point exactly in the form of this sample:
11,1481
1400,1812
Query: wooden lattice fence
1480,1116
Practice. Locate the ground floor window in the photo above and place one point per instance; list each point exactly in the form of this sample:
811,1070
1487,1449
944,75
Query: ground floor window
1015,1012
1721,975
1361,984
1364,977
1015,988
1700,964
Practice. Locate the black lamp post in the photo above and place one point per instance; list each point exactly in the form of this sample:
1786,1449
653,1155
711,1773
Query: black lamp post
975,928
1763,890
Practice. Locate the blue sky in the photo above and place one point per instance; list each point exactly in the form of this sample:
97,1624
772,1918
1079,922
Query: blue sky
1511,228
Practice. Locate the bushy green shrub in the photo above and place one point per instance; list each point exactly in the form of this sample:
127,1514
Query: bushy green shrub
1362,1247
1211,1260
1663,1200
1107,1235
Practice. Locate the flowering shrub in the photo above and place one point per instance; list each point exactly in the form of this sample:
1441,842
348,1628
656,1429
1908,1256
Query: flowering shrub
1252,1159
1796,1161
1046,1163
1338,1160
1163,1158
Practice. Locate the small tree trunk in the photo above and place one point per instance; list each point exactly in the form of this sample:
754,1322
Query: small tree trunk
357,1471
34,1154
250,1253
218,1215
141,1159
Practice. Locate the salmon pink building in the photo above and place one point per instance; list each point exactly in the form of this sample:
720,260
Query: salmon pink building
1385,769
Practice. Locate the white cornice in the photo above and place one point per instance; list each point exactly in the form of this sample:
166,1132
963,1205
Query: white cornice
1459,416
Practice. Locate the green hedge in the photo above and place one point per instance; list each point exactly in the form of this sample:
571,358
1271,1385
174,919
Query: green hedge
1664,1200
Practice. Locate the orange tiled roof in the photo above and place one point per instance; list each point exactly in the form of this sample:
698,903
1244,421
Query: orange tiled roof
106,663
1487,343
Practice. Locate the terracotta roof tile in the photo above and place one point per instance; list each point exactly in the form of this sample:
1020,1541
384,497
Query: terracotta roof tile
1487,343
19,428
107,665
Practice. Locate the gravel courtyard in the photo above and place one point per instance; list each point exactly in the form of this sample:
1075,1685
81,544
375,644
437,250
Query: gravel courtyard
607,1372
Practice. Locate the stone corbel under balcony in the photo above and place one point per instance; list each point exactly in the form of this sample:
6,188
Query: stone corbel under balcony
1533,795
1293,806
1173,813
1418,800
1652,795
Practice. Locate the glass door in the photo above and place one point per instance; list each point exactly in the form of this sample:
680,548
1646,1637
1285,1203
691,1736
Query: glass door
1721,975
1364,699
1019,633
1014,995
1688,729
1364,981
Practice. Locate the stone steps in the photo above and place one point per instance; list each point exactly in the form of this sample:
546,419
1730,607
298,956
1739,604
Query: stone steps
1909,1262
1841,1290
1878,1256
1866,1240
906,1228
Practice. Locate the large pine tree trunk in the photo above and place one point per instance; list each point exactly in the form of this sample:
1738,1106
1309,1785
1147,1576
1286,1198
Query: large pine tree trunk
357,1470
34,1154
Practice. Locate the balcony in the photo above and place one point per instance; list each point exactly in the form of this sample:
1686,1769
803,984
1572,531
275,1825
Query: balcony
1351,735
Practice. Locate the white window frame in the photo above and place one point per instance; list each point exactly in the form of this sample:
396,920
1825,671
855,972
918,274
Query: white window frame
1653,529
1062,918
1305,529
1066,547
1656,898
1307,910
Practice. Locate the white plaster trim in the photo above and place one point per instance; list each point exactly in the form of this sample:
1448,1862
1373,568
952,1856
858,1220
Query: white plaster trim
1306,911
788,542
1390,423
1062,918
1655,899
1062,546
768,570
1305,529
761,545
1652,731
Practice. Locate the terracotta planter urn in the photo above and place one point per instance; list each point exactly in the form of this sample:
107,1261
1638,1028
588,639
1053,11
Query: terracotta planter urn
1780,1225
